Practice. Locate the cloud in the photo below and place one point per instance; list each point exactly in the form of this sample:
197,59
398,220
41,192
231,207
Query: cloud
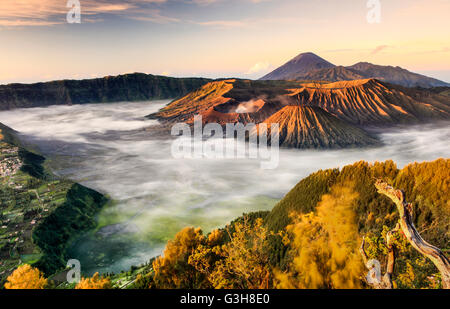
158,193
222,23
203,2
379,49
259,67
208,2
51,12
155,16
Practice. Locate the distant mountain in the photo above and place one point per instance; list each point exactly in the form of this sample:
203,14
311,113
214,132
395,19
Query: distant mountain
128,87
299,66
312,127
395,75
315,68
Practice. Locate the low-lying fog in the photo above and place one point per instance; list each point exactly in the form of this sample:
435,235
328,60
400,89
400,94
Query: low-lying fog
105,147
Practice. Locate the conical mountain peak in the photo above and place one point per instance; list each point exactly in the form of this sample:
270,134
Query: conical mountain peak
301,64
303,126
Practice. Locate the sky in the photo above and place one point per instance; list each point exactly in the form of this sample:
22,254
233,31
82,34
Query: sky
216,38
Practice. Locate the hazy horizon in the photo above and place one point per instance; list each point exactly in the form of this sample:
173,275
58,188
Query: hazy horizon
431,74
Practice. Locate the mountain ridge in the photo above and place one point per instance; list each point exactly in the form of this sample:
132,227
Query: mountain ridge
396,75
366,102
120,88
372,102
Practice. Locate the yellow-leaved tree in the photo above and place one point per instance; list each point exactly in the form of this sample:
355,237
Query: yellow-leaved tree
26,277
244,260
97,282
323,245
172,270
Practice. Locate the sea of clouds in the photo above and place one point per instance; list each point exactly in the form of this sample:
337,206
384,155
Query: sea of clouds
106,147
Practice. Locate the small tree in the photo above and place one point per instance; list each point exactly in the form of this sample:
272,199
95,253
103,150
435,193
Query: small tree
244,260
406,225
172,270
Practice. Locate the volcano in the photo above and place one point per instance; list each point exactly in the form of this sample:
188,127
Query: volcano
299,66
308,66
365,102
312,127
310,114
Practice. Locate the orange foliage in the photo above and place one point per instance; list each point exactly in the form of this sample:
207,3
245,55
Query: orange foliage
172,270
26,277
94,283
242,263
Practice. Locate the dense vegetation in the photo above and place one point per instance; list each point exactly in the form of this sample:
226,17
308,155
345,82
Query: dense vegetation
311,238
426,186
75,215
26,277
39,214
128,87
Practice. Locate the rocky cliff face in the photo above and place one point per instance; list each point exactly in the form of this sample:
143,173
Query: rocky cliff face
372,102
129,87
196,102
229,101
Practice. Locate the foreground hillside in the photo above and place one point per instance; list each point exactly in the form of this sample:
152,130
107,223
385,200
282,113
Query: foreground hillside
426,185
39,213
122,88
311,239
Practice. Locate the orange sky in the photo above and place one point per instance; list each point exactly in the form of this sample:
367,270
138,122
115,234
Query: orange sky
216,38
